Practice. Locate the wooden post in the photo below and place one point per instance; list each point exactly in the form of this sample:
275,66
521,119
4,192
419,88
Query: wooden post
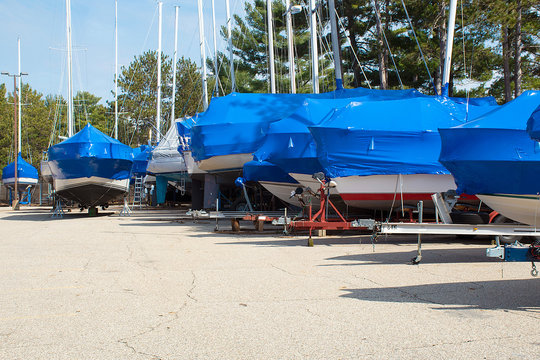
235,224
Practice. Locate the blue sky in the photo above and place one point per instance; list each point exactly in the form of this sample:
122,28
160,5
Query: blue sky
41,26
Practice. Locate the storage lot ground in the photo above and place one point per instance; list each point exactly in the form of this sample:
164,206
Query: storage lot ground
152,287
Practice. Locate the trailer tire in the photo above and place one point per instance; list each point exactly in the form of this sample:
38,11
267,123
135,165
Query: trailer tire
507,239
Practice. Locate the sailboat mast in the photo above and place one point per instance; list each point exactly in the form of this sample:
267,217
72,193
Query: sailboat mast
116,69
158,112
335,44
292,70
216,88
20,92
203,56
174,63
449,44
231,54
271,47
314,50
69,66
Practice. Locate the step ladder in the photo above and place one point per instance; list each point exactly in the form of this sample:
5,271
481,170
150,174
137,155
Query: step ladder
138,193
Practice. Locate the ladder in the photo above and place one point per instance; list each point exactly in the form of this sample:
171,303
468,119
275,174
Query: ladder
138,193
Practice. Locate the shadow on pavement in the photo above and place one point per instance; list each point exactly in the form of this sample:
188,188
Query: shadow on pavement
429,256
519,295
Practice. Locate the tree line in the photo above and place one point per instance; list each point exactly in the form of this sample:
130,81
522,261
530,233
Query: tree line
386,44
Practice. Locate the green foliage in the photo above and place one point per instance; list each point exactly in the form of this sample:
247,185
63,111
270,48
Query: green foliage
137,97
477,57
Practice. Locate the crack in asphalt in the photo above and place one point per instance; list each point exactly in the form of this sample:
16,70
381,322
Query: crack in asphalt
283,270
175,316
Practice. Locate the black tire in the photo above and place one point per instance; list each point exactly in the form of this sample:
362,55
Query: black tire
239,205
507,239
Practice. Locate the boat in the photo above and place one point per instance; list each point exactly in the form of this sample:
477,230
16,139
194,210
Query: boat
533,125
494,158
141,156
273,179
290,146
90,168
384,154
184,137
225,136
167,165
27,175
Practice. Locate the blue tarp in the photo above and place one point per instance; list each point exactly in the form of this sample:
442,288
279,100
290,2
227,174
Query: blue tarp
265,171
533,124
24,170
141,156
388,137
494,153
184,133
290,145
90,153
237,123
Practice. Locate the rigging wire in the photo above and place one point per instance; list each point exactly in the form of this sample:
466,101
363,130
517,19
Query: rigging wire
142,48
387,44
326,49
348,35
419,47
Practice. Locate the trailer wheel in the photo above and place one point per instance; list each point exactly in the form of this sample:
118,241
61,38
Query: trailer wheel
507,239
239,205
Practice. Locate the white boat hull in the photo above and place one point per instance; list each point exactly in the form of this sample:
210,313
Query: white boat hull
282,191
191,164
224,163
380,191
166,166
46,173
66,184
522,208
10,182
308,181
91,191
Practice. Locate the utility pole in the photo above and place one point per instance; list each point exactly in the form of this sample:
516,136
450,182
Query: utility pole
15,203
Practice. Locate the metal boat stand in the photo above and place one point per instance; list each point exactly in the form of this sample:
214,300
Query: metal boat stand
58,211
126,211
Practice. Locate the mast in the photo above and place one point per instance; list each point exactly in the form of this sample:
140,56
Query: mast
69,66
203,56
314,50
335,44
271,47
449,43
216,91
290,45
158,113
116,69
15,203
174,63
20,91
231,54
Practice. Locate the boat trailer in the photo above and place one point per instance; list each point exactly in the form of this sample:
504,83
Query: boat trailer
513,252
